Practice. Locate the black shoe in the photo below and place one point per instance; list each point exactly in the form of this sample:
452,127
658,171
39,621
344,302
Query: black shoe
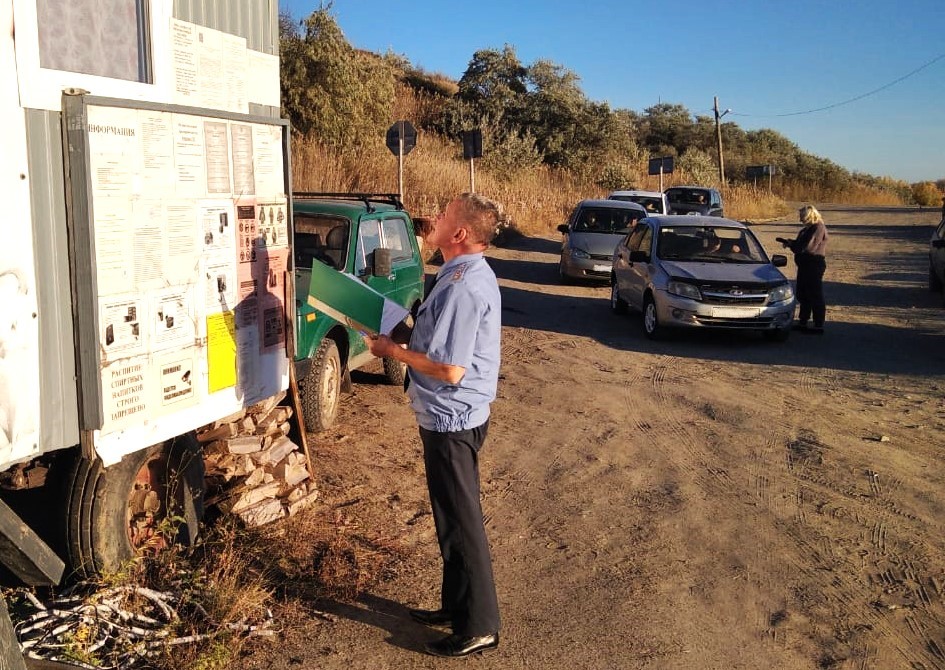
816,330
456,646
431,617
800,325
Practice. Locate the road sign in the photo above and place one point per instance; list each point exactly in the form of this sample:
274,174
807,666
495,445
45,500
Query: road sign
401,131
662,165
472,144
753,171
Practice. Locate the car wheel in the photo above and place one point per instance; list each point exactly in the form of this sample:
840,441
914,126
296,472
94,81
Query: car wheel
651,321
617,304
562,275
778,334
320,391
935,282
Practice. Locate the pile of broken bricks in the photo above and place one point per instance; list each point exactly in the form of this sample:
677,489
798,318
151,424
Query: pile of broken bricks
253,469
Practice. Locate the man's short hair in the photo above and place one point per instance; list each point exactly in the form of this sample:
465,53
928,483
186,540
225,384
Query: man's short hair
482,216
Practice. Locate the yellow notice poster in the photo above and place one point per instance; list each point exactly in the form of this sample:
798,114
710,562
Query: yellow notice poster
221,350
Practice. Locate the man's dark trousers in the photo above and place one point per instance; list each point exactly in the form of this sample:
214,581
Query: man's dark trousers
452,468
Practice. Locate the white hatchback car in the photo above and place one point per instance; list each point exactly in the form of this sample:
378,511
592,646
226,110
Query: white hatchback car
654,202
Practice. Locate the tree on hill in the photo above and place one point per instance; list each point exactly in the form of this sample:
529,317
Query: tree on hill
329,89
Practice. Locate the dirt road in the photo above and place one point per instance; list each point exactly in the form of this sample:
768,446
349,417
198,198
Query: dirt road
706,502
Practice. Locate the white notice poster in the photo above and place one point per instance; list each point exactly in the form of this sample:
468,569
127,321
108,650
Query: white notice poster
217,148
173,321
122,324
124,392
267,161
189,162
184,63
176,374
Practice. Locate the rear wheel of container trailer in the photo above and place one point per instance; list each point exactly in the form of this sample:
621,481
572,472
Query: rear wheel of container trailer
151,497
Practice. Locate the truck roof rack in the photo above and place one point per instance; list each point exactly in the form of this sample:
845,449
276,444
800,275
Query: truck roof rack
366,198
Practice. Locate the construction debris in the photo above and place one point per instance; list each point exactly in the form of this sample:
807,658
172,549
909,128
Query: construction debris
253,469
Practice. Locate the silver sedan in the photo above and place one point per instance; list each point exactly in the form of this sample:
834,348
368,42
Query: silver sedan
700,272
590,235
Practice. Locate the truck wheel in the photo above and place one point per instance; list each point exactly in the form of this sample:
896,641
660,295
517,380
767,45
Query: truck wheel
394,370
321,389
115,513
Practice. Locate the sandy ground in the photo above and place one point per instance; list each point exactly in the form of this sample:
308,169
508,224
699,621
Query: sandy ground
712,501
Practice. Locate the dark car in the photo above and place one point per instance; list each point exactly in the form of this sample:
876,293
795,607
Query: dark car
694,200
590,235
937,258
347,232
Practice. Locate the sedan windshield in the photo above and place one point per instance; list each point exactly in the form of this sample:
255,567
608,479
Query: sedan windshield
607,220
710,245
688,196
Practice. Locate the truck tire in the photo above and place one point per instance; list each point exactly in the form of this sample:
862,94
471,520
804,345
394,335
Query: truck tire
320,391
114,513
394,370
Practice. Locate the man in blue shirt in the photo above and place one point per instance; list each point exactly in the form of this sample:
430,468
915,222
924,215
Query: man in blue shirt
453,369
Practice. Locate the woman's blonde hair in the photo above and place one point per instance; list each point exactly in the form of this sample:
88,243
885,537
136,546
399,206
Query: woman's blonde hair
809,214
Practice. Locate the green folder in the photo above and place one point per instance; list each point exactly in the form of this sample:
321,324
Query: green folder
350,301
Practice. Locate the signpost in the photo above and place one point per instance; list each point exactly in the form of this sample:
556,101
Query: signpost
661,165
401,138
754,171
472,149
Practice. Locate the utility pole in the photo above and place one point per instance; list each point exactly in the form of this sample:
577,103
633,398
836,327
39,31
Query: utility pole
718,139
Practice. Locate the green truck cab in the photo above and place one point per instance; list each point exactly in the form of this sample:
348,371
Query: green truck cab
371,237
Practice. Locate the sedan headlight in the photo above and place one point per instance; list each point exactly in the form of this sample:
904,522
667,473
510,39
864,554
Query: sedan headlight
684,290
780,293
579,253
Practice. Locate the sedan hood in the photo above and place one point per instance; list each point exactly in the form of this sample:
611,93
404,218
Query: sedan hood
597,244
736,273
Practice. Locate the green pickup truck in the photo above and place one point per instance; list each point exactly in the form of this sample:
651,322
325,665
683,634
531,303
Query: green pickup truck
371,237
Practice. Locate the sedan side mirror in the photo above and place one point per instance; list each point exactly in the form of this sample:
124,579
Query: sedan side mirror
639,256
381,265
779,260
563,228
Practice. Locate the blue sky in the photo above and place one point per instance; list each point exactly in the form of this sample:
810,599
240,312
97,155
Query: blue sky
764,59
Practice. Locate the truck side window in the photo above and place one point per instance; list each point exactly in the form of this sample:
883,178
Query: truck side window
397,239
369,239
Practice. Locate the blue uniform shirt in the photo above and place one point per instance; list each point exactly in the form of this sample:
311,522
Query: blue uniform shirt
459,324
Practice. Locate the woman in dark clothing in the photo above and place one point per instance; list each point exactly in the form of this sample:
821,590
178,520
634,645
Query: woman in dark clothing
809,249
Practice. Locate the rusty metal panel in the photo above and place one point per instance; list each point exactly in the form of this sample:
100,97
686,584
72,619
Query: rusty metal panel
59,397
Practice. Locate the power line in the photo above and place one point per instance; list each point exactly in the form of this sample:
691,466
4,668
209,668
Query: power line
853,99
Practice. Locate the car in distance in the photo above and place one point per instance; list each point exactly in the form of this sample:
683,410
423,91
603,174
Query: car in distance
700,272
590,235
371,237
937,258
694,200
654,202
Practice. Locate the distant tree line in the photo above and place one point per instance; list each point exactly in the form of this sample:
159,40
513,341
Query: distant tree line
532,114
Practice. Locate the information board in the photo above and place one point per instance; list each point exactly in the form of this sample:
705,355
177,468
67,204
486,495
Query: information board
185,223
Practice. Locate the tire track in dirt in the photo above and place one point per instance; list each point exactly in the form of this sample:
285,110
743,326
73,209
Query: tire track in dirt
845,585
